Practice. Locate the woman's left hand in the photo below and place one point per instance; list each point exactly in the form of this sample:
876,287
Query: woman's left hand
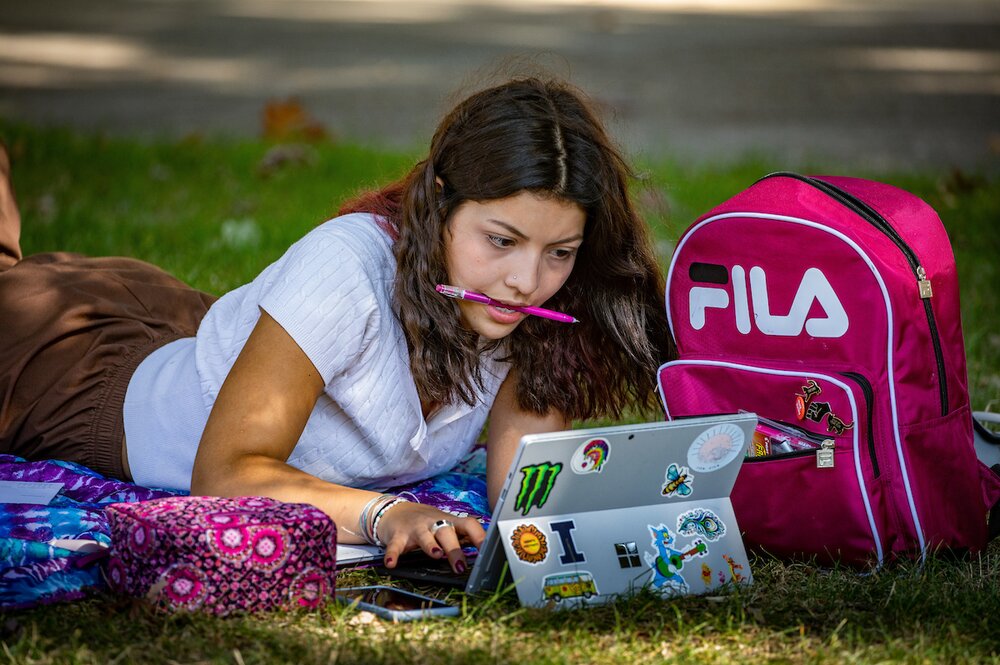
408,526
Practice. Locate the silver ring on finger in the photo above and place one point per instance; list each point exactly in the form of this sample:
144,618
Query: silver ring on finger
441,524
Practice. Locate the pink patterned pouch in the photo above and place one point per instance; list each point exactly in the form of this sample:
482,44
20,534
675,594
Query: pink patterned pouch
222,555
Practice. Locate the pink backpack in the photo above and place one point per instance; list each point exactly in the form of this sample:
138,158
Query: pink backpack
831,304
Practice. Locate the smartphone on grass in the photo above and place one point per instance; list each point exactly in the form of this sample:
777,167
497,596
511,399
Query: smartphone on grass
395,604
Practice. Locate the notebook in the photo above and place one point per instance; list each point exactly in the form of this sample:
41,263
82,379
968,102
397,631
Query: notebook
588,515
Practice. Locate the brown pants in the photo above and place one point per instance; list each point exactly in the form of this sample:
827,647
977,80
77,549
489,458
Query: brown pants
72,331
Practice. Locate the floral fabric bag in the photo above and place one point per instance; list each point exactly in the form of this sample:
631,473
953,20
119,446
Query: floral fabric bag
222,555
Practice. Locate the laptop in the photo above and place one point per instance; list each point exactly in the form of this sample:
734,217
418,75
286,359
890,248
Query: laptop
588,515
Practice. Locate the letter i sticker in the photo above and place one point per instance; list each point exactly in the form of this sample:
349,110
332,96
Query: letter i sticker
570,553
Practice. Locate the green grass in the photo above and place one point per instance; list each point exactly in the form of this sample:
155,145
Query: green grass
216,212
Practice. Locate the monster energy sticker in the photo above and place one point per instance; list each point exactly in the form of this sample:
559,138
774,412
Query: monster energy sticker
536,485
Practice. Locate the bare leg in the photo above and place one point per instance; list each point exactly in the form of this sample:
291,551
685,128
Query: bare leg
10,218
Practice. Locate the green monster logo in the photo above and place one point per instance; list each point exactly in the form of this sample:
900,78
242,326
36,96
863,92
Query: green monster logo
536,485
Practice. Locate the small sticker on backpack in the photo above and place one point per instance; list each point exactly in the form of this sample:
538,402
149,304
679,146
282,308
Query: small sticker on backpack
803,399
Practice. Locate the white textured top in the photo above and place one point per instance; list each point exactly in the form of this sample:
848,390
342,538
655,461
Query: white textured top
332,292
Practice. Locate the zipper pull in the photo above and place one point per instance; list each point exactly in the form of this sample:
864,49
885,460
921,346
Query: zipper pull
824,455
924,284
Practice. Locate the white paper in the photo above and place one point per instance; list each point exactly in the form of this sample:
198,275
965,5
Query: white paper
18,491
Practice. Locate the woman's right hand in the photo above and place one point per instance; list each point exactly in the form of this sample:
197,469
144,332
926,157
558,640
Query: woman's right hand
408,526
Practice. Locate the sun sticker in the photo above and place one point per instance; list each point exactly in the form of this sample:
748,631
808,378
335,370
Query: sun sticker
530,544
590,456
715,447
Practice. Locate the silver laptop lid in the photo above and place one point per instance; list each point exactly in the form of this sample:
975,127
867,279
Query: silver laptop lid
598,469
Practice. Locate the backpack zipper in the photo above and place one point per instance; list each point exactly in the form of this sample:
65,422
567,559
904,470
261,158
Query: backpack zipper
870,215
869,394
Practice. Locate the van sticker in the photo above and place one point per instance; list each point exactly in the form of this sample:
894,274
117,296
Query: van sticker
590,457
668,561
565,586
701,522
536,485
715,447
530,544
677,481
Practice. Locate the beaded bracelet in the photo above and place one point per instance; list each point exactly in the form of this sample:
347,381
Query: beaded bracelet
372,513
378,517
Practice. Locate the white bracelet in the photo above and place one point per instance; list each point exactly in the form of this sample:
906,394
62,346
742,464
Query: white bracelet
378,517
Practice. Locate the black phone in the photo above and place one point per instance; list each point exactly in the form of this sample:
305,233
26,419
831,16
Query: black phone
395,604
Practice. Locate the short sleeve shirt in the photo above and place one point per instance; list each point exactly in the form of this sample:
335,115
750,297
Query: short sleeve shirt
332,293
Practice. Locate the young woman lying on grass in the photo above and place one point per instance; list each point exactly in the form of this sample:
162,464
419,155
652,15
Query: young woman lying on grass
340,371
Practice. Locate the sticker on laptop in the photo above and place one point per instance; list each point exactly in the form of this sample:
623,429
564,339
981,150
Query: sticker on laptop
701,522
570,553
566,586
677,481
668,562
590,457
734,569
627,553
536,485
530,543
715,447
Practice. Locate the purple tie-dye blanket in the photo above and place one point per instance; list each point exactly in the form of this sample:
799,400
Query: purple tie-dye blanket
33,570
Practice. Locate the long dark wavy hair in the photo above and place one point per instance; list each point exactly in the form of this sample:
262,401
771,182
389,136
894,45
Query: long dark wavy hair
540,136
